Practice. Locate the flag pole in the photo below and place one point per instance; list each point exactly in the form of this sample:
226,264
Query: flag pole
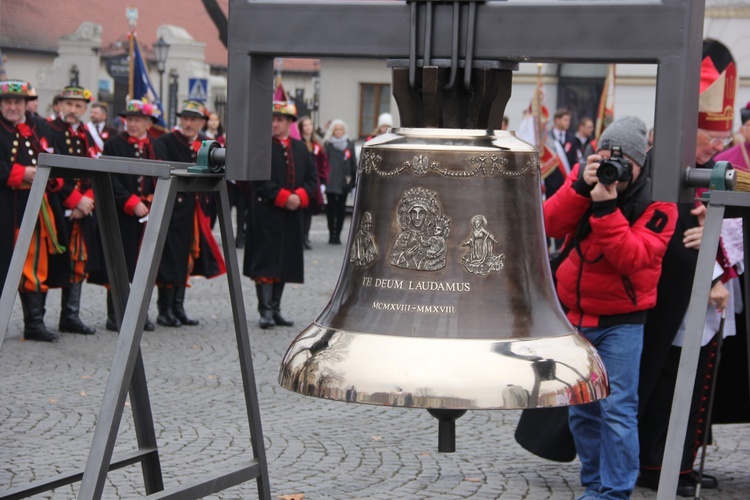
132,15
536,110
130,64
603,101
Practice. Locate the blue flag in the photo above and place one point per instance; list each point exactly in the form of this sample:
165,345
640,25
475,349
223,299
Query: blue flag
142,86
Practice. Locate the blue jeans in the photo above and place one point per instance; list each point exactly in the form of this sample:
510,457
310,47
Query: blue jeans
606,432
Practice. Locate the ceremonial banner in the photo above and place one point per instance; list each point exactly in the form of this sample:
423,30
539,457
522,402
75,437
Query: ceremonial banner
142,87
532,130
606,113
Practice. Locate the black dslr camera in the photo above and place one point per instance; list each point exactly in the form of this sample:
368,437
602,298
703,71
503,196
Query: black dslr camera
616,168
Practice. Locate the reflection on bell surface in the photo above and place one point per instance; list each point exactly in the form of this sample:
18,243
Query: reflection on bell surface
445,298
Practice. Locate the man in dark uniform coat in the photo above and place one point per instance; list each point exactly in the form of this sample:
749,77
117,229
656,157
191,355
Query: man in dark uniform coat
275,253
73,139
566,140
22,138
181,146
133,193
583,136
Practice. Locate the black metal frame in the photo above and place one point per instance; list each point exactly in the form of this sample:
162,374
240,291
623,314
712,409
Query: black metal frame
721,204
131,306
668,33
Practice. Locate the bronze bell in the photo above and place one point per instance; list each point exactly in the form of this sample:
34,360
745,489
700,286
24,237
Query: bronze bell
445,298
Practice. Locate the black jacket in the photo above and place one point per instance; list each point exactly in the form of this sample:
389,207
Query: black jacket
275,249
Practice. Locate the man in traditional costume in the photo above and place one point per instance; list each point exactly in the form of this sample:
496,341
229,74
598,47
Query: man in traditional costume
22,138
133,193
189,237
71,138
275,253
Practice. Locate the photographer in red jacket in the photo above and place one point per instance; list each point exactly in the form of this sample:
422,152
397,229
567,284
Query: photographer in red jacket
607,272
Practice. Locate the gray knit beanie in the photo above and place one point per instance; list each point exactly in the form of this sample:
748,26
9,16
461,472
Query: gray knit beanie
629,133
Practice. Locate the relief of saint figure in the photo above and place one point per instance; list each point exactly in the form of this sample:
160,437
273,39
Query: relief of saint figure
421,244
364,249
480,259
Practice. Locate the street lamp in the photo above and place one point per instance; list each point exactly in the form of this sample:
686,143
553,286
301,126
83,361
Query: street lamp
161,49
174,80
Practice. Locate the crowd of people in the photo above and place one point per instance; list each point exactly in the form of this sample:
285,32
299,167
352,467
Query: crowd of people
66,248
67,251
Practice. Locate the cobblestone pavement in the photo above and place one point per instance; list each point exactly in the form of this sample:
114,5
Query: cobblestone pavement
50,396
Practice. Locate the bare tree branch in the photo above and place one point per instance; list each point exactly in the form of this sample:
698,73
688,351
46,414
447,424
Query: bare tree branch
219,18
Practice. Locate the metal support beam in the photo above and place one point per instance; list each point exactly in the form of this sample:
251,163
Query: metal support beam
66,478
129,341
667,33
718,204
114,258
243,342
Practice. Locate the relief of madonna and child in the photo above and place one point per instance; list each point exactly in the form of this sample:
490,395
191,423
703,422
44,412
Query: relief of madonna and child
421,244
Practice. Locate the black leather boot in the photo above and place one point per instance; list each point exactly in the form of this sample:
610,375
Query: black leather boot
278,290
179,307
148,326
165,303
111,320
70,321
33,318
339,229
265,296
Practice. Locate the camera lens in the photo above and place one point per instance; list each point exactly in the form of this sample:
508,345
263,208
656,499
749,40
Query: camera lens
608,173
615,168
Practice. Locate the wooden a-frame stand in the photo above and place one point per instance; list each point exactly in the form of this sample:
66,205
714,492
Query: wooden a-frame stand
131,306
